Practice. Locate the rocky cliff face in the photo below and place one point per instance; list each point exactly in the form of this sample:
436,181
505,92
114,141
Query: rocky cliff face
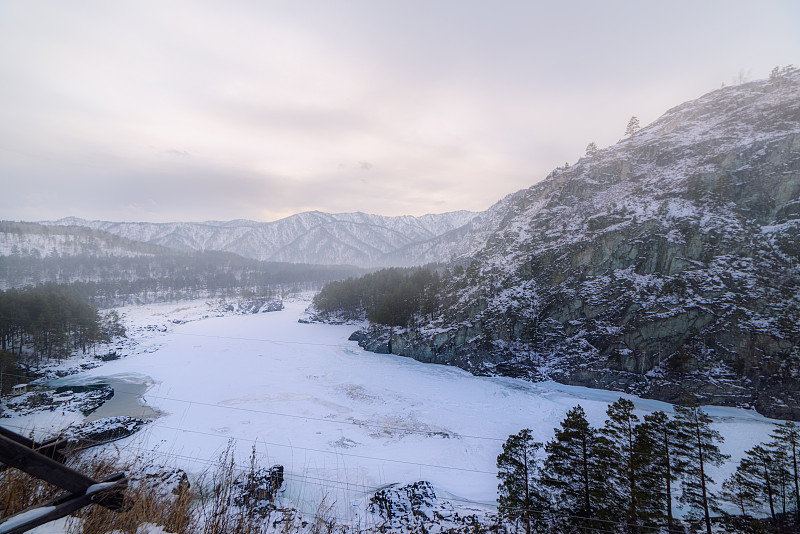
664,265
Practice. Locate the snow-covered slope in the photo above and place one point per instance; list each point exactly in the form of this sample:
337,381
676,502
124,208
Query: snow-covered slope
664,264
123,270
310,237
460,243
30,239
345,424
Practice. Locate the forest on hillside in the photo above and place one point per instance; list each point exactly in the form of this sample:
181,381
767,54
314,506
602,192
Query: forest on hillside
392,297
114,281
49,321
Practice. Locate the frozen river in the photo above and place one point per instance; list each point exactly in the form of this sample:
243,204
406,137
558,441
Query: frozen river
342,421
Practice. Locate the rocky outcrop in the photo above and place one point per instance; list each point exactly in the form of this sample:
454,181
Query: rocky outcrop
103,430
249,305
417,508
665,265
83,399
255,491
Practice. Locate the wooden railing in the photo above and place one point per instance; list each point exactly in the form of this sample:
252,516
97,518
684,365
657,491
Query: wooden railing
45,461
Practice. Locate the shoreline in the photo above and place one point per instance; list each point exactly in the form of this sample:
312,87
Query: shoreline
316,403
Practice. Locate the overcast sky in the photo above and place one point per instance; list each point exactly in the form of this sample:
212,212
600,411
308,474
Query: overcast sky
170,110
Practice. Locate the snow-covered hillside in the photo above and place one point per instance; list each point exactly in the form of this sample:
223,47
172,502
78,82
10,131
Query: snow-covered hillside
665,264
122,270
460,243
30,239
311,237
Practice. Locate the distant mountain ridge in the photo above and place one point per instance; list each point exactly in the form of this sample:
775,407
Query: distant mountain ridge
461,243
311,237
114,271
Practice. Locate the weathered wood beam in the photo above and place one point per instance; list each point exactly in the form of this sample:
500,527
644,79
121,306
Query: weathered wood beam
108,493
26,459
17,437
50,448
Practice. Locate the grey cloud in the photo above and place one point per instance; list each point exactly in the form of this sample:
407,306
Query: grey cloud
198,110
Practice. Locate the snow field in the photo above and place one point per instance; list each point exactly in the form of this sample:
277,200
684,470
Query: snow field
343,422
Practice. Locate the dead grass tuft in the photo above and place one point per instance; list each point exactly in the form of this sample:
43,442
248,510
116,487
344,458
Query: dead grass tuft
213,504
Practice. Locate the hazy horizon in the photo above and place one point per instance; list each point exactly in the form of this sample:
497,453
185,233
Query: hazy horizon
205,221
202,112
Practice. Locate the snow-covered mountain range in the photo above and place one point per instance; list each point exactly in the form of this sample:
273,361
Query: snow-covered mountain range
119,270
664,265
311,237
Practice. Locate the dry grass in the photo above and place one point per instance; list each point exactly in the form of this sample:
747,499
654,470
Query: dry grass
19,491
145,503
219,516
207,507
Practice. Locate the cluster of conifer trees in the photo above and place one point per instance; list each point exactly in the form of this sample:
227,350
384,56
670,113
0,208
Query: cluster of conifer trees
767,479
393,297
108,280
48,320
623,477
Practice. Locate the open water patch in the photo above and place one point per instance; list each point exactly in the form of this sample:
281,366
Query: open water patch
127,399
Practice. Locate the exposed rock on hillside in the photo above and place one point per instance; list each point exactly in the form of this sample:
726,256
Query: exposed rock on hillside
417,508
83,399
664,265
255,491
249,305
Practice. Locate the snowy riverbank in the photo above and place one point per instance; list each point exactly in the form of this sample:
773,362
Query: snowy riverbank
343,422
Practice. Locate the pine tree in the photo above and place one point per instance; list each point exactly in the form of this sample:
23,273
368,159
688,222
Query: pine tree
633,126
759,468
520,496
571,470
780,464
786,438
651,473
660,431
621,463
591,149
633,468
697,450
739,491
